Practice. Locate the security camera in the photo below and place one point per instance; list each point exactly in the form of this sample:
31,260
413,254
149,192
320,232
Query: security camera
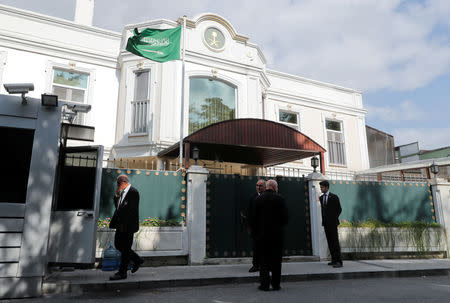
79,108
18,88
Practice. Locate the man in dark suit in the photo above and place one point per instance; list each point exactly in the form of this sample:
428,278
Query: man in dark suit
126,222
331,209
270,218
250,216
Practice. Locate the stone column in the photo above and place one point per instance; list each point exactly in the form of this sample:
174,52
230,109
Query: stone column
318,239
196,213
441,197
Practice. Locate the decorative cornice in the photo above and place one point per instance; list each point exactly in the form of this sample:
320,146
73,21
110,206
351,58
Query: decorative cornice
193,23
58,50
160,23
314,102
310,81
210,61
260,53
57,21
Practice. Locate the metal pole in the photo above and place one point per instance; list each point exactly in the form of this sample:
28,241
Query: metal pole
182,90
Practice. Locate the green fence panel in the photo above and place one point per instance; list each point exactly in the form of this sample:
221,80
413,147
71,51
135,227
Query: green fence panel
384,201
162,193
228,197
298,232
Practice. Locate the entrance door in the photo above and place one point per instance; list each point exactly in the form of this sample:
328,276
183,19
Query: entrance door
76,206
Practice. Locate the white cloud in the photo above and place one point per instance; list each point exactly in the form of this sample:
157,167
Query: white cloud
405,111
428,138
367,45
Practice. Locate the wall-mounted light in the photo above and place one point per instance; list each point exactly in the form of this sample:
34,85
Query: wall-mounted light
49,100
434,168
315,162
19,88
195,154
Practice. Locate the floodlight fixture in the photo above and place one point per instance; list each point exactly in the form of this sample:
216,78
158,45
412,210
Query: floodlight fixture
49,100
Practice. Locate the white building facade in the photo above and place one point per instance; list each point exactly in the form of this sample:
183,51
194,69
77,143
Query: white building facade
137,103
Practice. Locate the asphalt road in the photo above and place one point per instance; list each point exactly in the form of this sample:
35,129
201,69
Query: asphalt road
418,289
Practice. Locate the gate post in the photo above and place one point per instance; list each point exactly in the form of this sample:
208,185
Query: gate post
440,190
196,213
318,239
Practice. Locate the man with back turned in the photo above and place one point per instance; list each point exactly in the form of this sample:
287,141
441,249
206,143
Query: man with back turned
270,218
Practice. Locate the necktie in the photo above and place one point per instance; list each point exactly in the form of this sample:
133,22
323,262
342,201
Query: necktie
325,199
120,198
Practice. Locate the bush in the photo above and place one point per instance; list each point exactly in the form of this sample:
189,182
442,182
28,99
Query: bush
372,223
153,222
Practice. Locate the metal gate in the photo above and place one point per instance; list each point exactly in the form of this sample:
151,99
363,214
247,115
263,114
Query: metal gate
227,199
75,211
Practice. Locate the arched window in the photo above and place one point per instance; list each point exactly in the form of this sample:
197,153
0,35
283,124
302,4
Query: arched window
210,101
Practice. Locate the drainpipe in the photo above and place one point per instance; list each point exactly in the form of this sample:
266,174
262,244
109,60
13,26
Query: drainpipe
263,99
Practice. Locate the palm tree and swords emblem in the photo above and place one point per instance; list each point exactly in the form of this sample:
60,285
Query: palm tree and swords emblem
214,38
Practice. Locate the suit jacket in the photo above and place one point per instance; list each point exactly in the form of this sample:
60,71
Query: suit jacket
331,211
126,216
270,217
250,211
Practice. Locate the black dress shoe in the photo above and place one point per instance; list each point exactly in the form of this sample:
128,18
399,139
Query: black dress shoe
276,287
118,276
136,266
332,263
338,265
263,288
253,269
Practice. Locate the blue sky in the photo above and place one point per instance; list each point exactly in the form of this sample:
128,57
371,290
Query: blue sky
396,52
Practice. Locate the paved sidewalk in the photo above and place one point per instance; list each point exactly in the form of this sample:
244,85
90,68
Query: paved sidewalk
173,276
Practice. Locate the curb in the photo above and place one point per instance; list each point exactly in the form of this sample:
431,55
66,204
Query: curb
67,287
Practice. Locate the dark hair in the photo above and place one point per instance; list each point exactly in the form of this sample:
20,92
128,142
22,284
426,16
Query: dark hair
324,183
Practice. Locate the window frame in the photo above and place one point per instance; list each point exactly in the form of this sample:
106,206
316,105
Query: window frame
127,113
329,150
208,78
295,126
89,90
148,100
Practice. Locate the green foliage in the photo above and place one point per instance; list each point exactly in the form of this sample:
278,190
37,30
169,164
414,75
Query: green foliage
151,222
102,223
372,223
156,222
373,235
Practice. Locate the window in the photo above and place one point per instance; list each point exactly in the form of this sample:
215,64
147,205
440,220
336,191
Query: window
140,102
288,118
210,101
16,155
71,86
336,145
